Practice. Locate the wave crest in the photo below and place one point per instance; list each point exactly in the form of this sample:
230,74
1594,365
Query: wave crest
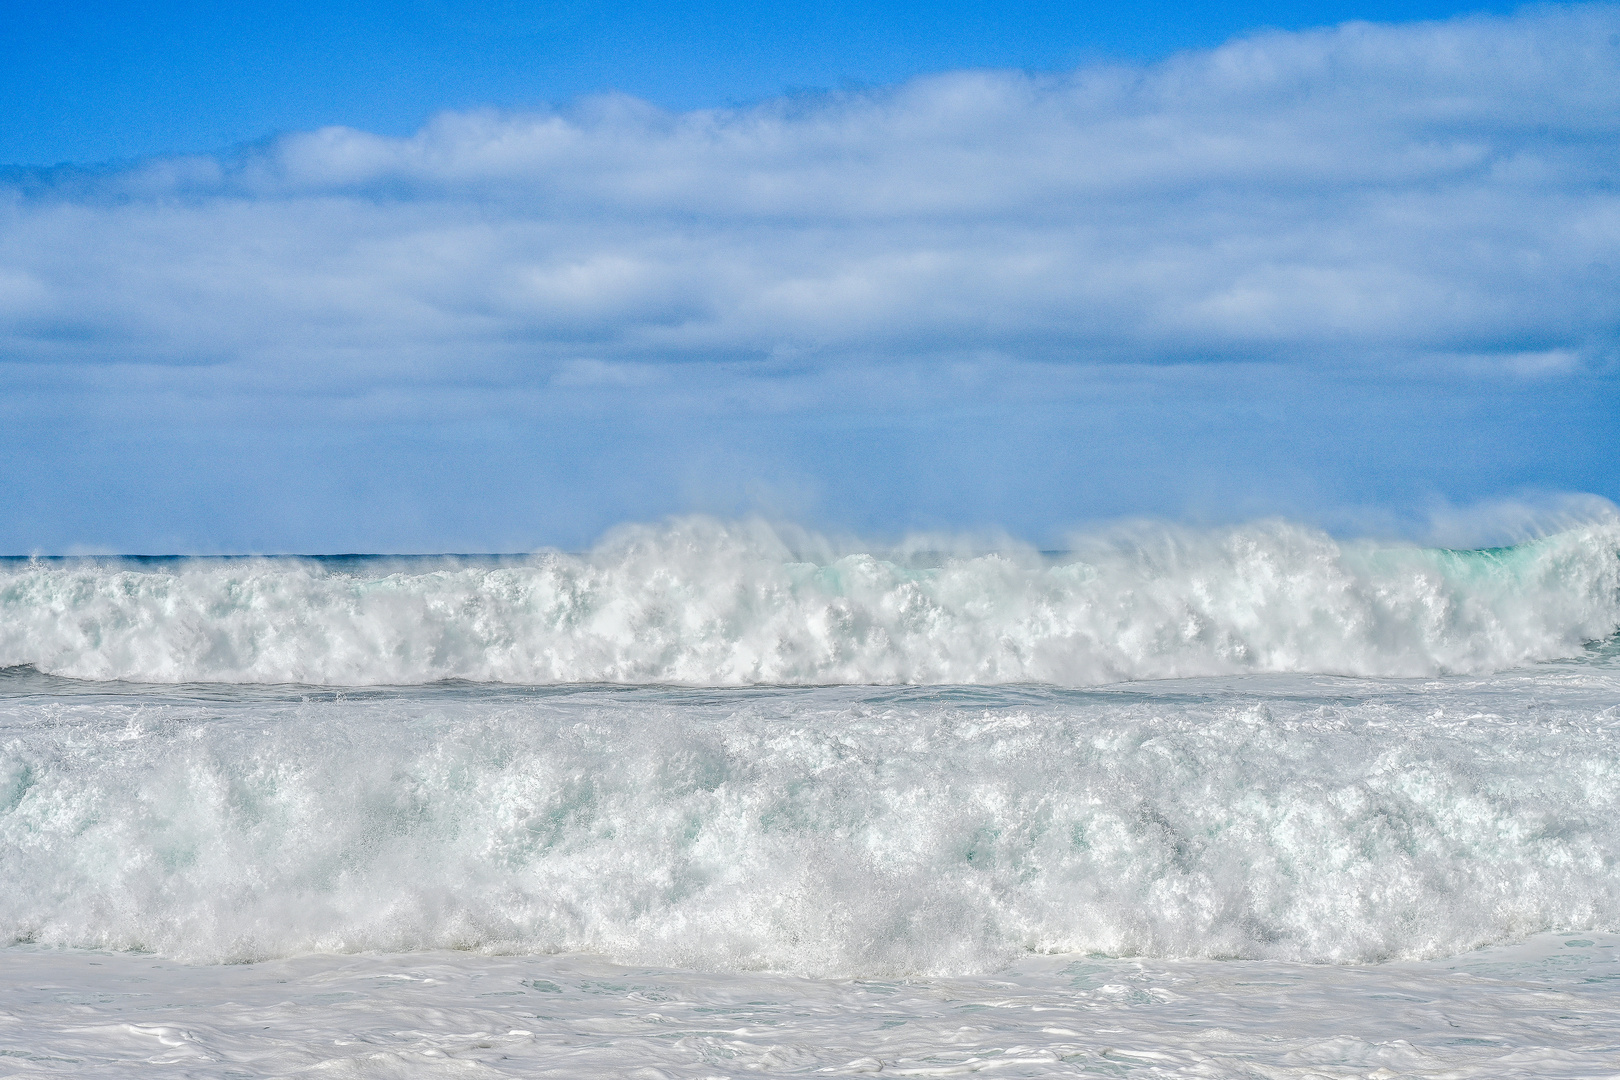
703,602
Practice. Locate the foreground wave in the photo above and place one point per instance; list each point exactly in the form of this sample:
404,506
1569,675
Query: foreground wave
832,831
699,602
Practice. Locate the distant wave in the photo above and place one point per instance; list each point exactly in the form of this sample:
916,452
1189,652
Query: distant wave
703,602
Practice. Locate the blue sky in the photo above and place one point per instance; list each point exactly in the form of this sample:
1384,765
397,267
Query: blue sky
423,279
88,82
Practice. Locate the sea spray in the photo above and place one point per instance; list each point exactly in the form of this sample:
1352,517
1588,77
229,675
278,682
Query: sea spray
701,602
826,831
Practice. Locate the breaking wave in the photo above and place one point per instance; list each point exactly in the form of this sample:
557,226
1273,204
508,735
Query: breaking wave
702,602
832,830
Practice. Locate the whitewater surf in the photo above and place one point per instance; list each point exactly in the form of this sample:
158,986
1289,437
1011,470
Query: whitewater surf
710,799
705,603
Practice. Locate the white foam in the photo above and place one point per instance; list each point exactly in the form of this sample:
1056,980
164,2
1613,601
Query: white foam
1540,1012
701,602
831,831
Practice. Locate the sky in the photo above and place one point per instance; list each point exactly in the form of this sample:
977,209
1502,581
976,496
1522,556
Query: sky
93,82
427,278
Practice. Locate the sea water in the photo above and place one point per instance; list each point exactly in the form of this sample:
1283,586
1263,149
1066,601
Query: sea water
710,800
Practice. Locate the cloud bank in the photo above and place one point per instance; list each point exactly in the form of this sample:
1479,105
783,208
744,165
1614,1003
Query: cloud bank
1437,197
1369,191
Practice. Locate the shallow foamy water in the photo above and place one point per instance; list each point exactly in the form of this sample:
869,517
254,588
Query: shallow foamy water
1546,1008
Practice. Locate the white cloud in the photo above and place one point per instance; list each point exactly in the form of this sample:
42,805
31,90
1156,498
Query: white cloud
1392,191
1439,194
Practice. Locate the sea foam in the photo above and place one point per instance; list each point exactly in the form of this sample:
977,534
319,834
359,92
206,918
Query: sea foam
826,831
701,602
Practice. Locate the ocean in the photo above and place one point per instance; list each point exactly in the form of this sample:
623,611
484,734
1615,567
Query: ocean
720,799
